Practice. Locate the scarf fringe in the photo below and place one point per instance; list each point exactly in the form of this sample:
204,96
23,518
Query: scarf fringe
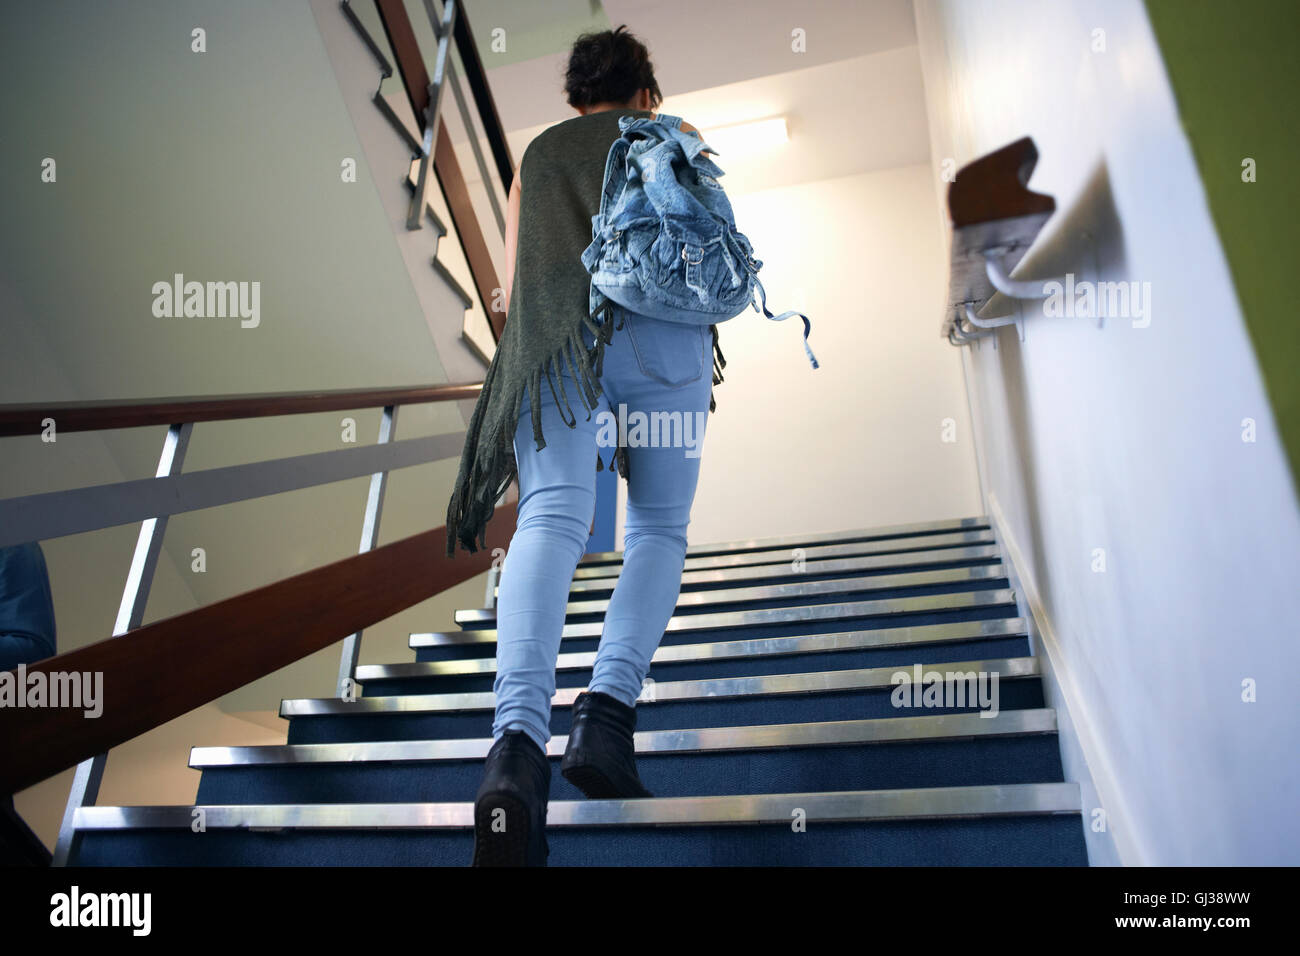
487,463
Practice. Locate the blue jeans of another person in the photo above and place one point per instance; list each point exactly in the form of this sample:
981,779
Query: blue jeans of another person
649,366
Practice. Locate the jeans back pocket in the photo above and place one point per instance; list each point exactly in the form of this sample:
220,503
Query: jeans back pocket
670,353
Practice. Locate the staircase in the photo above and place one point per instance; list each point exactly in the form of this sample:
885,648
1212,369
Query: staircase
766,731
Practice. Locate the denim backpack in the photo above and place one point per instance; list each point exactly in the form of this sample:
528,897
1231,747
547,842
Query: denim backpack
665,243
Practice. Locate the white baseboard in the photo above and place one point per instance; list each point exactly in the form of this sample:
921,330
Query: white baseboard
1082,757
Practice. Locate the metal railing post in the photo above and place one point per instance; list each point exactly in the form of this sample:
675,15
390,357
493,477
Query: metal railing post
369,539
436,86
130,614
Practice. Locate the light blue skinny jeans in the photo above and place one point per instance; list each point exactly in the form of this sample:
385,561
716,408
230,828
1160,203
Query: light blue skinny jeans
649,366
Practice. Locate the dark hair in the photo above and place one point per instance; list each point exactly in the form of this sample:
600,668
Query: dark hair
609,67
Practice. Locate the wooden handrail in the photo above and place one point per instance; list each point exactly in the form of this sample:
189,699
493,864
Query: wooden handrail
995,187
160,671
455,191
415,79
96,416
476,76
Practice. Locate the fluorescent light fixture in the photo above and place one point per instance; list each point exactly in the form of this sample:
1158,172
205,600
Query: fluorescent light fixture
742,139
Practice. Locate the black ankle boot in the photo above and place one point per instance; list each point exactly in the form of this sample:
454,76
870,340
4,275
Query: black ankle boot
600,758
510,808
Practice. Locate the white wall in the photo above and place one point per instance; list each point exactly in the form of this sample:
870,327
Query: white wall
1130,440
857,442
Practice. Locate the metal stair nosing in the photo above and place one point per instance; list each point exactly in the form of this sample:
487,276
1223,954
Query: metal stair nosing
782,591
826,642
860,679
784,568
809,553
925,803
952,602
932,728
796,540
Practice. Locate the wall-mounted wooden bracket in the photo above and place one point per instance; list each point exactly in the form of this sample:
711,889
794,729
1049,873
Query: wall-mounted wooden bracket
995,218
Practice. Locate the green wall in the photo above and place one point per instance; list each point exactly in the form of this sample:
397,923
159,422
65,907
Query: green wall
1235,69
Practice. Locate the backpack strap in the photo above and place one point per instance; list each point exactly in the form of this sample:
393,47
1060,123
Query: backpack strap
807,325
615,175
